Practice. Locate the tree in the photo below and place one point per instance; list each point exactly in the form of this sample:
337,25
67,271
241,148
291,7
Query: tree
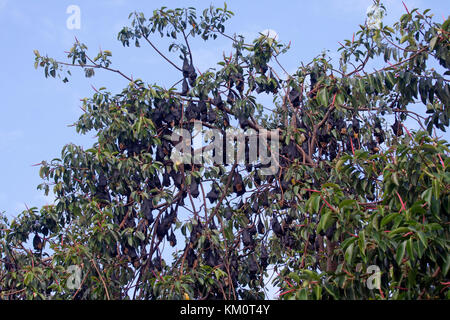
350,193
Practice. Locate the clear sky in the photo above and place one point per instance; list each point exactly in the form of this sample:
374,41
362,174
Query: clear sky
36,112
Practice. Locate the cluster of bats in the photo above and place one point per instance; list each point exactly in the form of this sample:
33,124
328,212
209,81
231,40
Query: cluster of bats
168,114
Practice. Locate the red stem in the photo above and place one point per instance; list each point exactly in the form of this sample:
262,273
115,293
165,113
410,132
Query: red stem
405,7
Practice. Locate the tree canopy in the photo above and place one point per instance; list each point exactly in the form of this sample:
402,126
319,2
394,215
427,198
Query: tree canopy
345,188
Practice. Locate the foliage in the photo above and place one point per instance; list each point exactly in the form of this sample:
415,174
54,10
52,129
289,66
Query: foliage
349,193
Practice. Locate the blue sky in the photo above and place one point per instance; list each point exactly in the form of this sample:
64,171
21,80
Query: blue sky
36,111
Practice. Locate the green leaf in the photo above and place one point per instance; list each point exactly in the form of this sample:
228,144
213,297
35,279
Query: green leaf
347,203
349,254
362,242
427,194
29,276
399,230
294,276
388,219
139,125
318,292
323,97
422,238
409,248
395,178
140,235
446,265
347,242
314,203
446,25
400,252
433,42
229,232
311,274
326,221
340,100
302,294
389,80
361,85
436,188
404,38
